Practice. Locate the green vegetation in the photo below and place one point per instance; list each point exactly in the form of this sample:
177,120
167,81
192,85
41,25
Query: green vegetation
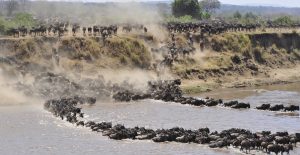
23,19
247,18
20,19
284,20
186,7
253,18
237,15
181,19
194,9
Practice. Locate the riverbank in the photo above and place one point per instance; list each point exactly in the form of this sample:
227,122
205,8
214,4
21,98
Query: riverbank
273,77
42,133
89,56
230,60
242,60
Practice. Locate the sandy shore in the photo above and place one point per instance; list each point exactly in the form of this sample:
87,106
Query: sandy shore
273,76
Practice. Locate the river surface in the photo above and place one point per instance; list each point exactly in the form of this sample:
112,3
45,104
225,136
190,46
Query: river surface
27,129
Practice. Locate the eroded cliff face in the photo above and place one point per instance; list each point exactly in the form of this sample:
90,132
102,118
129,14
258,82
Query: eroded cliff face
239,42
226,55
287,41
75,52
232,56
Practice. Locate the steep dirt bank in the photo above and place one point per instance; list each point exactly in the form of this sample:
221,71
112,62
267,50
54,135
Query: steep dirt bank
230,59
75,53
241,60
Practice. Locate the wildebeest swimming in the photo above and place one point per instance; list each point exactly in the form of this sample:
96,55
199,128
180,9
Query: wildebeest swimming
67,108
169,91
265,141
278,107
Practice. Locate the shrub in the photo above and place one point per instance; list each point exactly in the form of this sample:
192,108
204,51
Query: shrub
181,19
20,19
24,19
186,7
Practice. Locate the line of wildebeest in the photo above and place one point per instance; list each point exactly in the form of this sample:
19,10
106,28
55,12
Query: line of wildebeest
61,29
280,142
169,91
220,26
207,27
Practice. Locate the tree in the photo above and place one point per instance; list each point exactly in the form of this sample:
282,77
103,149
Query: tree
250,15
284,20
24,19
186,7
210,5
205,15
237,15
250,18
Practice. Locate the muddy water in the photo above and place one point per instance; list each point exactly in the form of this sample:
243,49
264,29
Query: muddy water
28,129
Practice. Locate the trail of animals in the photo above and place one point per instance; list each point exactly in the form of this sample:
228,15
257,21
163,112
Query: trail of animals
209,27
169,91
61,29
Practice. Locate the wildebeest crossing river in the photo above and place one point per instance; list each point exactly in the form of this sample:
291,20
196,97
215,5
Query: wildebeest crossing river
41,133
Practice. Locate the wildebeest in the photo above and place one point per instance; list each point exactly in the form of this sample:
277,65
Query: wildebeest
75,28
127,28
246,145
23,31
275,148
263,107
277,107
14,32
291,108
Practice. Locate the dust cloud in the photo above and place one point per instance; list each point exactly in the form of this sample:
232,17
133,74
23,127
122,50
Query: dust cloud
10,95
96,13
62,79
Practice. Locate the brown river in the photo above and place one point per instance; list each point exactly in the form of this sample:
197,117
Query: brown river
27,129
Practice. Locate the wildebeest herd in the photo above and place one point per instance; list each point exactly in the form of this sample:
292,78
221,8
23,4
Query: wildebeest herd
219,26
67,108
208,27
245,140
60,29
